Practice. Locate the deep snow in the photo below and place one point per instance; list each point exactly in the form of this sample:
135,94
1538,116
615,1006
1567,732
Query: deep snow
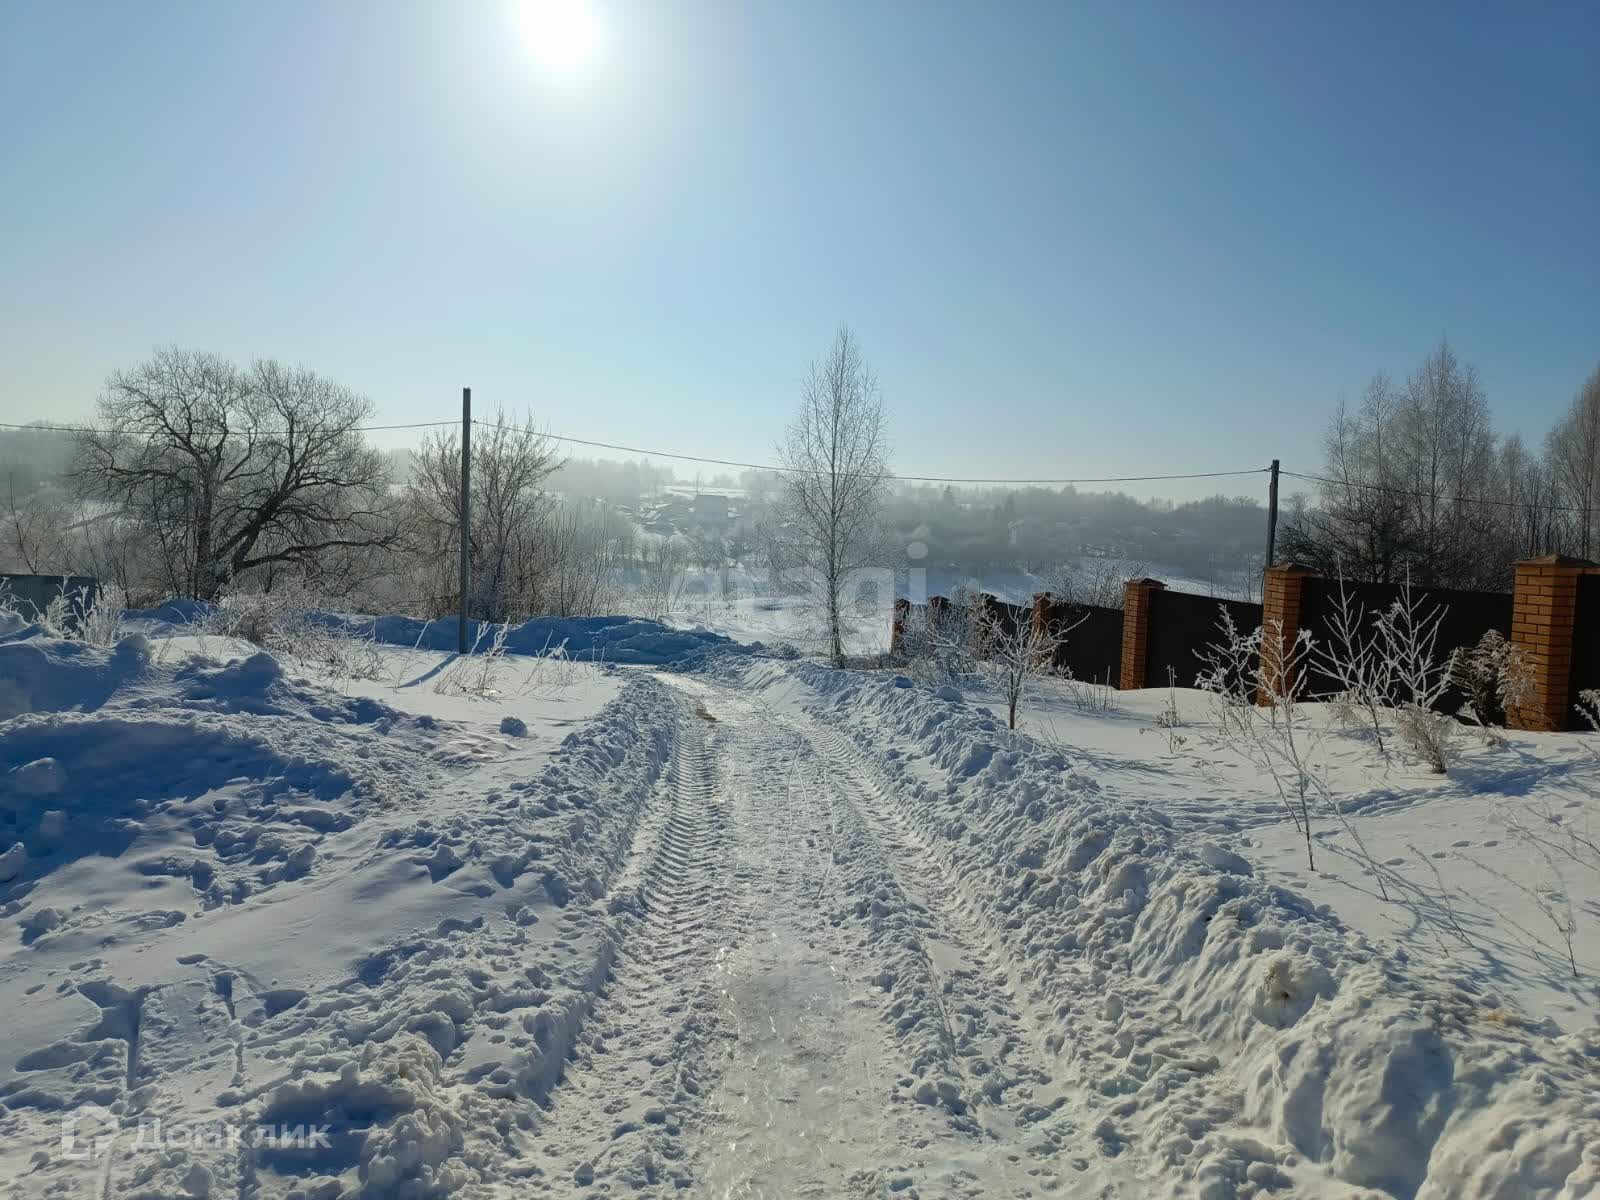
742,927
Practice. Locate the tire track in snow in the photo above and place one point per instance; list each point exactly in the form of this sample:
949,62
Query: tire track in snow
640,1067
1131,1071
873,1055
1004,1057
804,1102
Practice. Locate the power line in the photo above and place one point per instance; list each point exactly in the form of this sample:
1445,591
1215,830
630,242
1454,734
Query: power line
724,462
1416,495
278,432
781,470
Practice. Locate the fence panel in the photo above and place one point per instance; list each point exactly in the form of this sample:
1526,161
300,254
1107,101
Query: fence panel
1093,649
33,594
1585,641
1182,626
1467,616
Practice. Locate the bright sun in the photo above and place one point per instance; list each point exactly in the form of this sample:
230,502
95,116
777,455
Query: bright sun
561,34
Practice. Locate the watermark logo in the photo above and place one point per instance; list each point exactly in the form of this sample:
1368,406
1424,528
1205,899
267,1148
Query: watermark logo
89,1131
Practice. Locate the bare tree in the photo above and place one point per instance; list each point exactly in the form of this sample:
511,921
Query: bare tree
1362,524
665,561
511,462
1573,453
586,546
33,524
837,461
1017,650
1418,485
1096,582
233,470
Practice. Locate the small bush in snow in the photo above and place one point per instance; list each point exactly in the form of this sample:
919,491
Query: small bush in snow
1350,657
1256,680
477,673
81,615
1169,720
938,643
1089,696
283,623
1495,675
1407,640
1013,656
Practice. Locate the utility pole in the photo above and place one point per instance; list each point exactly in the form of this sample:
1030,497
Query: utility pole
466,516
1272,515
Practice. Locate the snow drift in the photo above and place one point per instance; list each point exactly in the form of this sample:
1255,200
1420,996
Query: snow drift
1386,1071
259,902
622,640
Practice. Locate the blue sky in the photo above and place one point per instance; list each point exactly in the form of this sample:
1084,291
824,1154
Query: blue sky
1109,239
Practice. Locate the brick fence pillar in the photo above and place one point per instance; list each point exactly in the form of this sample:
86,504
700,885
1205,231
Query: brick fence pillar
1282,592
1136,595
1543,615
1040,620
897,624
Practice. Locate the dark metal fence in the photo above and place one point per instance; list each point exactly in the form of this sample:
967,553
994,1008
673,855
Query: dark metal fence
1464,617
33,594
1182,627
1586,640
1092,650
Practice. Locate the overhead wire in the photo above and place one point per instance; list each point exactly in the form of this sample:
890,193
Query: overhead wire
776,468
1420,495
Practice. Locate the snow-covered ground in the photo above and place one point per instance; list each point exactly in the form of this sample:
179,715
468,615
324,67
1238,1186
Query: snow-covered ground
782,621
741,926
1461,884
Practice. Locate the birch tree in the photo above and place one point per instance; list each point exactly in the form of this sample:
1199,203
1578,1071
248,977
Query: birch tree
837,460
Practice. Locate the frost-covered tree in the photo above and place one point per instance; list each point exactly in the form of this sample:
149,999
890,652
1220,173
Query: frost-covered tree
837,462
511,462
1014,653
1573,454
1418,485
231,470
1362,524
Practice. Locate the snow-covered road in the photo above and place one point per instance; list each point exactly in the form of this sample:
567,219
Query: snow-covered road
805,1002
738,927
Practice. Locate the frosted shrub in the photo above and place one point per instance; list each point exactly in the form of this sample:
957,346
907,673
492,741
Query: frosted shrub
101,614
1256,681
282,622
1088,695
83,615
937,643
1351,658
477,673
1406,639
1011,657
1274,736
1495,676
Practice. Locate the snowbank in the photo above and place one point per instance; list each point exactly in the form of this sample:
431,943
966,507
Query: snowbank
233,899
623,640
1384,1070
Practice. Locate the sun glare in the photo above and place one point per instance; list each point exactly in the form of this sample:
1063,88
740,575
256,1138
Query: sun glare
562,35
